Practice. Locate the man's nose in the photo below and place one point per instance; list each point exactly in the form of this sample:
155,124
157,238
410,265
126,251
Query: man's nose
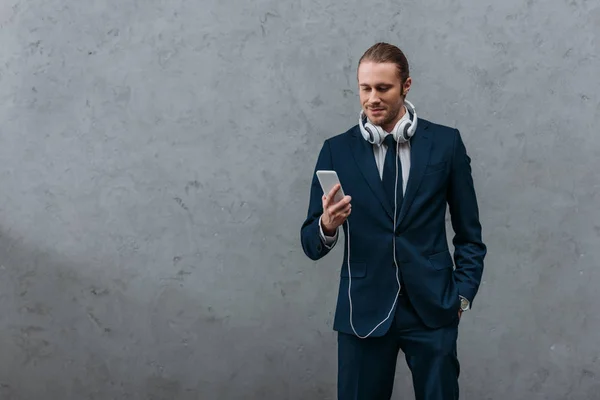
373,98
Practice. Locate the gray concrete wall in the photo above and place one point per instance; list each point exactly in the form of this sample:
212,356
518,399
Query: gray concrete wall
155,160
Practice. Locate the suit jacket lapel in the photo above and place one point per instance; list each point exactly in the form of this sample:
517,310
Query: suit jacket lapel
365,159
420,145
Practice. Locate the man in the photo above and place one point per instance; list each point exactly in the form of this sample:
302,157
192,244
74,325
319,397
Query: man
398,288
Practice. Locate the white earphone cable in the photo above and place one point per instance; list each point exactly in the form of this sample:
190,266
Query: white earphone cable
395,261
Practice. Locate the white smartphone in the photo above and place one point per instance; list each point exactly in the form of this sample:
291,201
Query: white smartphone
328,179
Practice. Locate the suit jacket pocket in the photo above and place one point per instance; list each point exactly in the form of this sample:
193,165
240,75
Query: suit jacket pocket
433,168
357,269
441,260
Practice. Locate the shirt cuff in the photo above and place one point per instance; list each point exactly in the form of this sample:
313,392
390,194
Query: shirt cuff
328,241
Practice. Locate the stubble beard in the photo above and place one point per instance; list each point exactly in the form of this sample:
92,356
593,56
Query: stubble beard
388,119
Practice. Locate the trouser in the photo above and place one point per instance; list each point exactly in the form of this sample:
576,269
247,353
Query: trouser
366,367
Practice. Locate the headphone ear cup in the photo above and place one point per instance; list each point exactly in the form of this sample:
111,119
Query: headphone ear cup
374,132
370,132
406,131
399,132
414,120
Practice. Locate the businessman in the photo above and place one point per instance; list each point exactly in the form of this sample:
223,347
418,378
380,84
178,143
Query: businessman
400,287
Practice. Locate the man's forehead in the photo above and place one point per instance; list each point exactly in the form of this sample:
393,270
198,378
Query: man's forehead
373,74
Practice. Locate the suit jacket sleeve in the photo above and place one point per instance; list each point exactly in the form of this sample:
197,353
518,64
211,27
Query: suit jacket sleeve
469,250
310,233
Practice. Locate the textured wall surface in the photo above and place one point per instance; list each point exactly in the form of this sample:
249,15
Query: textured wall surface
155,161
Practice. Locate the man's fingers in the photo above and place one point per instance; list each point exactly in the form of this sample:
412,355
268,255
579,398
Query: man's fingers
336,210
328,198
340,205
333,191
340,213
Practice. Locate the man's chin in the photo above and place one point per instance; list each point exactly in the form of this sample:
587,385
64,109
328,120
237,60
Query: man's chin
378,120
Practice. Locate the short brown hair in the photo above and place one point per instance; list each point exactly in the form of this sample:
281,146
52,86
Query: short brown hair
383,53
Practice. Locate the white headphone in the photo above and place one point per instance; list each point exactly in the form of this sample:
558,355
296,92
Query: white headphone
402,132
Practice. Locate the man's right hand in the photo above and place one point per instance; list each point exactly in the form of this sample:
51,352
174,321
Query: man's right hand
334,214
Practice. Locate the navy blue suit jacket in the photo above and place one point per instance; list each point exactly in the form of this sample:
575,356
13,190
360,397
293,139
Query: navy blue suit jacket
433,279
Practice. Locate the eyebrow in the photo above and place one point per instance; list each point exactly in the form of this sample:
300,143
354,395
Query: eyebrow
377,84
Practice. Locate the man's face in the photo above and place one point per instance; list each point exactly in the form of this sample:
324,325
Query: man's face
382,93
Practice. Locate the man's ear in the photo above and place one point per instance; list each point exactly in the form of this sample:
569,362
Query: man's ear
406,86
